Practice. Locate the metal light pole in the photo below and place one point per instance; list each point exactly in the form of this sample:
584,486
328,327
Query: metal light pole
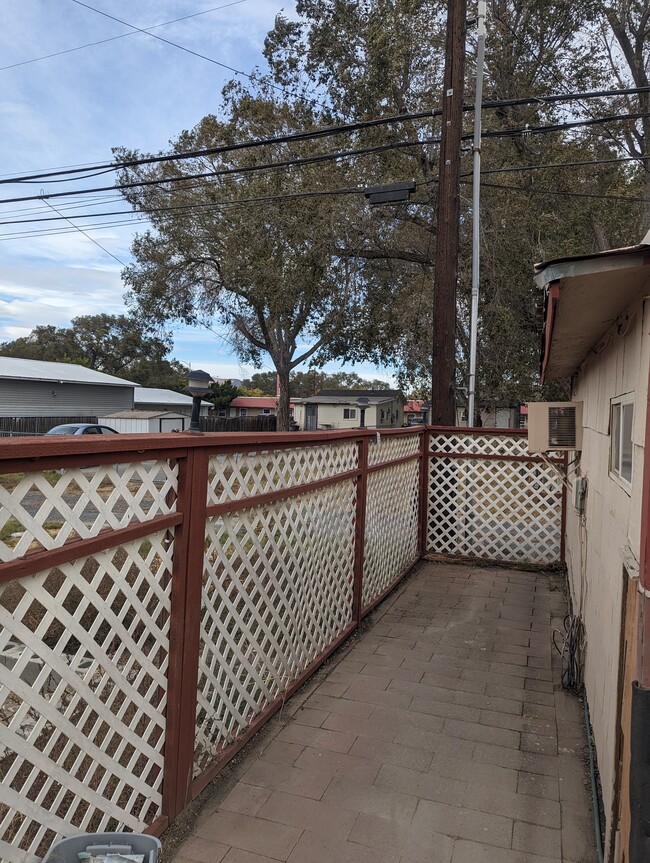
476,202
362,404
198,386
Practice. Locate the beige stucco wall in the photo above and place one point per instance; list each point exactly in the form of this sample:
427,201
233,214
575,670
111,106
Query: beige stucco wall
611,521
332,416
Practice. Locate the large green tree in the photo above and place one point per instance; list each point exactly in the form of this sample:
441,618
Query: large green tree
303,384
383,57
115,344
243,249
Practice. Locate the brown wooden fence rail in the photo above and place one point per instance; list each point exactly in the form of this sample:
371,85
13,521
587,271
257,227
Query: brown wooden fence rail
162,595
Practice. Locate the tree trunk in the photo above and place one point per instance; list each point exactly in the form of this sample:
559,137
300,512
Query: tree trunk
283,414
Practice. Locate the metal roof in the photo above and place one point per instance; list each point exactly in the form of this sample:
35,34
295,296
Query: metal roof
142,415
62,373
254,402
583,298
156,396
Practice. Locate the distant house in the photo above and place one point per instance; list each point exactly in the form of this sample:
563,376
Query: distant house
340,409
36,388
154,399
597,334
251,406
413,410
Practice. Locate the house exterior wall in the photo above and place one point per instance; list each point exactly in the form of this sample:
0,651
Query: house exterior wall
29,398
610,523
250,411
331,415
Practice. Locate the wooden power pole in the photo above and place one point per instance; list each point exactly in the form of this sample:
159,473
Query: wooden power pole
443,361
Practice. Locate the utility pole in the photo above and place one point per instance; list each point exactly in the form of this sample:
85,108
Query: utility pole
443,361
476,213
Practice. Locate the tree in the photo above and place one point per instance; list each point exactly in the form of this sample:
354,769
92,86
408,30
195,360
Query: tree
383,57
222,394
238,249
304,384
115,344
625,30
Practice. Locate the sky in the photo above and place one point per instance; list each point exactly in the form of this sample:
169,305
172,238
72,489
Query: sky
71,109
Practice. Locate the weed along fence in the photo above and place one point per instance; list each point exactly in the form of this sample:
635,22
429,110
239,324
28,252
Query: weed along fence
161,595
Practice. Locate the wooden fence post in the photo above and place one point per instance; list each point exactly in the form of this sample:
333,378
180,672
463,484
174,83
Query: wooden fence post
187,581
423,522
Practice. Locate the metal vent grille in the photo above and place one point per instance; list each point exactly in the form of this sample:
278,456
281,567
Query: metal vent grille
562,427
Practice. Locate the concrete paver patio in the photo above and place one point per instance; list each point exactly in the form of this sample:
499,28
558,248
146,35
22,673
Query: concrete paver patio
441,734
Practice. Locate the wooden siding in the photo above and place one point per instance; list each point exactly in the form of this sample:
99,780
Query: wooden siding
22,398
596,540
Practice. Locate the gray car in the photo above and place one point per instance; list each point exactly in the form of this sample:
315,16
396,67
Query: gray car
82,428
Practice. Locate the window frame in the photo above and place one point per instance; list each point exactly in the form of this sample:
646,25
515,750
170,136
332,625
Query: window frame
351,413
617,443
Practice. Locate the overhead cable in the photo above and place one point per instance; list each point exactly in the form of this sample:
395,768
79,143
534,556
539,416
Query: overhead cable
313,134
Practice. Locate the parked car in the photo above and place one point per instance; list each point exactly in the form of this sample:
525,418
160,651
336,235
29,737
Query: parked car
415,421
82,428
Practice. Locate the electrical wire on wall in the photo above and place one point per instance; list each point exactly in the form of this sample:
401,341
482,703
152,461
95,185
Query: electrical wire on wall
570,645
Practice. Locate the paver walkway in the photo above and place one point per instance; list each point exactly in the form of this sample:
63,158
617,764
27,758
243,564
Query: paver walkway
441,735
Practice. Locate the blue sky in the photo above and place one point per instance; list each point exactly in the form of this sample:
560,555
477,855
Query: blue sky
70,109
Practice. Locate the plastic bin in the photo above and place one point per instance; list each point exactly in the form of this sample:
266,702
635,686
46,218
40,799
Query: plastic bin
66,850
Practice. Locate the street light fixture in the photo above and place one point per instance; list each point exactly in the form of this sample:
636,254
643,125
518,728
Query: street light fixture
362,404
391,194
198,386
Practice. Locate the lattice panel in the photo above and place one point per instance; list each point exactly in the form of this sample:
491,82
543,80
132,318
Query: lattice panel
483,444
391,537
83,666
494,509
234,476
46,509
392,447
277,592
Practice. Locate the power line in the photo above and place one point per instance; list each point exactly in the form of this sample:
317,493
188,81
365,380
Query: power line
121,36
554,165
92,240
188,50
518,169
314,134
546,66
565,194
243,202
34,211
343,154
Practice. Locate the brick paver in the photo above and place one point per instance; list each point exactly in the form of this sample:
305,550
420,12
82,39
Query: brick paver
439,735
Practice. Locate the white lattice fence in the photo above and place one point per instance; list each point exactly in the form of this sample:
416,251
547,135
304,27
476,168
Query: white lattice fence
277,592
46,510
489,499
391,529
83,655
233,476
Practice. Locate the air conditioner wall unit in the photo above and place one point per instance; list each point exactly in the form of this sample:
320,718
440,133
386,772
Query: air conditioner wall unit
554,426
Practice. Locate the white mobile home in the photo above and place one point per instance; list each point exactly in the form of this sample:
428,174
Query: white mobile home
597,333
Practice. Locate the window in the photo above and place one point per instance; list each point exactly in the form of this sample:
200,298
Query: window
349,413
620,427
266,410
221,412
243,412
